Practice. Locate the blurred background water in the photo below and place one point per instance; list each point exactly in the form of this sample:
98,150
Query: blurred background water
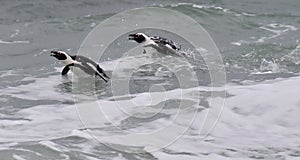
259,43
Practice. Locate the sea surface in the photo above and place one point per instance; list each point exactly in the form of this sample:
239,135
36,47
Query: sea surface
155,105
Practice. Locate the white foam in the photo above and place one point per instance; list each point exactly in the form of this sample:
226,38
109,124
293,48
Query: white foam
248,14
41,124
51,145
17,157
80,133
7,73
236,43
6,146
15,33
90,158
255,117
41,88
293,56
113,113
225,10
13,42
268,67
276,29
120,157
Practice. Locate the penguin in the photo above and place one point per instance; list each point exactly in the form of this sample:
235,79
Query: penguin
82,63
160,44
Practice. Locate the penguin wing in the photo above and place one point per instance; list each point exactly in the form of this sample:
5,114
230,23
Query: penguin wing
163,41
83,60
66,69
93,66
96,73
162,48
100,70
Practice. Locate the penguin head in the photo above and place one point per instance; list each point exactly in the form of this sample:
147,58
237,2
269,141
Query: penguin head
60,55
138,37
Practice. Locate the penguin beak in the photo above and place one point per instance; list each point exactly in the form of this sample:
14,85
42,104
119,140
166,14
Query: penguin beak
132,36
53,53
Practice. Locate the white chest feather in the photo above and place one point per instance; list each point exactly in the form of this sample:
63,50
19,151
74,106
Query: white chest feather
78,72
69,60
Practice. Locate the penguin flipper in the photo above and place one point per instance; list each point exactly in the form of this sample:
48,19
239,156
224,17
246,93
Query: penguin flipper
100,70
96,73
66,69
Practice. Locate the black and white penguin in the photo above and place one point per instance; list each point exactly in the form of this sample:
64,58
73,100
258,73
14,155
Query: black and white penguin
79,62
160,44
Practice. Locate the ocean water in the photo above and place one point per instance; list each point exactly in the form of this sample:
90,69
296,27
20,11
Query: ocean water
146,112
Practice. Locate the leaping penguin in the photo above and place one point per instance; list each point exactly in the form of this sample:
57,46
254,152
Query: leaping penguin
80,62
160,44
